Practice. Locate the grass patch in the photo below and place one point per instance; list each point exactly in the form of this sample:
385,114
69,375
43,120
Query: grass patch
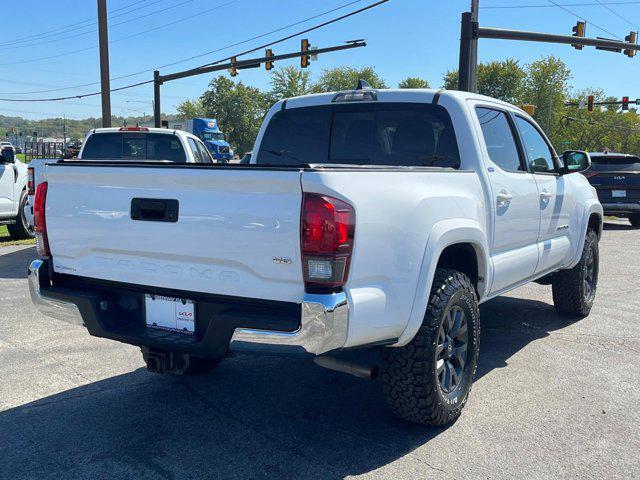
5,239
22,157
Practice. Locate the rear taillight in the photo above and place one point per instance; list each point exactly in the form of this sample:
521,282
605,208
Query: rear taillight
327,232
30,190
590,174
40,222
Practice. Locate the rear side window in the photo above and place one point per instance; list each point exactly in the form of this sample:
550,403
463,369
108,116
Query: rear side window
197,155
134,146
393,134
499,139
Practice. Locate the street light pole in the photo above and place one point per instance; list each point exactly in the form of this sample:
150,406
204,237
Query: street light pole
105,84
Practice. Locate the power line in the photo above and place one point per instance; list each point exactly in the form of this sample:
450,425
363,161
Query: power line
93,29
355,12
89,22
582,18
618,15
149,70
590,4
608,125
64,54
328,22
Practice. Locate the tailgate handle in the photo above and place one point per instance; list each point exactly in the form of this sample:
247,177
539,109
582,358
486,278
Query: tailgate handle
154,209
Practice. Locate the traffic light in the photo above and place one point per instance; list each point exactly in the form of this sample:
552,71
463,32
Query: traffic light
631,38
579,31
305,59
268,65
625,103
233,71
590,102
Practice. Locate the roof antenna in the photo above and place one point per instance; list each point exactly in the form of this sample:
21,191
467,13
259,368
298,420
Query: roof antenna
363,85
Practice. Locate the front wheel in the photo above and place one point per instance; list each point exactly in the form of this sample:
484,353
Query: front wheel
428,380
21,230
575,290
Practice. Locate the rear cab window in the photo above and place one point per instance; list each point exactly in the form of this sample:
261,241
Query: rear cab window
614,163
134,146
381,134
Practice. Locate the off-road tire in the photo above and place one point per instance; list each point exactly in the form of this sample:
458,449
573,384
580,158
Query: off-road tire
409,376
21,229
634,220
568,287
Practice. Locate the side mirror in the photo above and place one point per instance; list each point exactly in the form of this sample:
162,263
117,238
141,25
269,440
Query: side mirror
575,161
8,155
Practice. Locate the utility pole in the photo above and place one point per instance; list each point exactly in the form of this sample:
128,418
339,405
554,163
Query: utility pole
105,84
64,130
473,71
550,112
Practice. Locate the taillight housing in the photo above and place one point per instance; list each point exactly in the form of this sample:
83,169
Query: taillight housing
30,189
589,174
40,222
327,232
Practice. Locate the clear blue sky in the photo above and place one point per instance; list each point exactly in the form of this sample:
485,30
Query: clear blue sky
405,38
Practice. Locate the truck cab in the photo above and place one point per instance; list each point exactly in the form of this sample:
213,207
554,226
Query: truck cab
207,130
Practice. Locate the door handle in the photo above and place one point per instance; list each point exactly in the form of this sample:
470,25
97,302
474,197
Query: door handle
545,195
503,198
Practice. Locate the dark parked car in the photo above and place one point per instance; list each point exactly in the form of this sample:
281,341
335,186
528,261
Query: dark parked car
616,177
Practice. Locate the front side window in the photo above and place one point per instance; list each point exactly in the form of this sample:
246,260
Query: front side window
537,150
361,134
499,139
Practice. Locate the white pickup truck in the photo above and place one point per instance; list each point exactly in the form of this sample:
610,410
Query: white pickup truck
125,144
367,219
13,194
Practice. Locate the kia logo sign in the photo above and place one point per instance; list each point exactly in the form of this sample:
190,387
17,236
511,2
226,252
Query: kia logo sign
185,314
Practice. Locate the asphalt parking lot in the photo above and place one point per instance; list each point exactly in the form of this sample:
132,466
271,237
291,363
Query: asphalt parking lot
552,399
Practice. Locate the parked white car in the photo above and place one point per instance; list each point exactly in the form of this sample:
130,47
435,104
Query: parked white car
367,219
13,195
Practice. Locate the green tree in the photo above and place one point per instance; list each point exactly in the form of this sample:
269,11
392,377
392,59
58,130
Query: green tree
498,79
191,109
546,86
413,82
288,82
238,108
346,78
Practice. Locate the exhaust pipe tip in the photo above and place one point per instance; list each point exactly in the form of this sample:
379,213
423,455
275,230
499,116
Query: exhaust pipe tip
367,372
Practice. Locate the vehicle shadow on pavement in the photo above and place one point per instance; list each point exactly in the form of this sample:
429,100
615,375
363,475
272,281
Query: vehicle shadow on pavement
509,324
15,263
254,417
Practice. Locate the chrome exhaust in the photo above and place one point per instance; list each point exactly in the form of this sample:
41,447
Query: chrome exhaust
367,372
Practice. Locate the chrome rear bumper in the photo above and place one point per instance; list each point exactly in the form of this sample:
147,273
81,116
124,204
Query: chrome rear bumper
64,311
323,325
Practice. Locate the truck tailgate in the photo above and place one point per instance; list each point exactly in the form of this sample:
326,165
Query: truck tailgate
237,231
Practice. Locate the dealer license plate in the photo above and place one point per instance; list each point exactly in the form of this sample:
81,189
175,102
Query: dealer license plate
168,313
618,193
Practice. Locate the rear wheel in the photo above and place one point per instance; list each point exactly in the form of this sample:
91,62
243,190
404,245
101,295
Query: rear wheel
21,230
428,381
575,290
634,220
